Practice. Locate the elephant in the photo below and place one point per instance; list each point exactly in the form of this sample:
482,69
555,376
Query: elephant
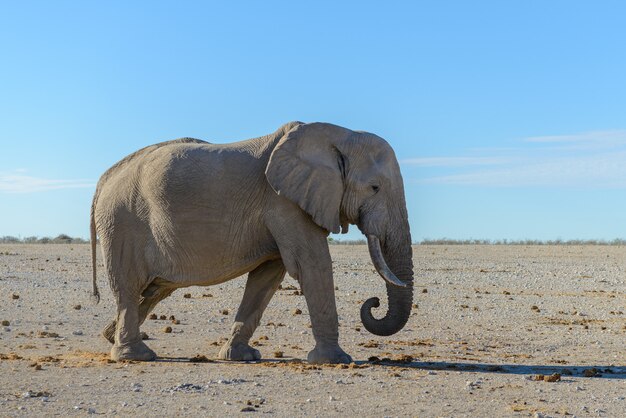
187,212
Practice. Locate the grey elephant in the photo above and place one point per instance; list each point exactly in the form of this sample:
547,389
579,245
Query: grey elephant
187,212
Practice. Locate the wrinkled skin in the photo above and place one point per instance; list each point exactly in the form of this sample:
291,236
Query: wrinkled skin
186,212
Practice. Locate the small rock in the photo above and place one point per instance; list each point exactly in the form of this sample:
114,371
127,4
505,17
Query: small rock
278,354
163,317
6,323
14,296
552,378
143,335
77,307
187,295
77,332
153,316
297,312
248,409
224,311
167,330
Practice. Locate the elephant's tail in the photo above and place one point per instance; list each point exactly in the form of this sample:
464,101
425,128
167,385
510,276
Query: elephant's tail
92,227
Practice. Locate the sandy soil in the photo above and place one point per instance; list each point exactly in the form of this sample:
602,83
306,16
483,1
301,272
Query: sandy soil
491,321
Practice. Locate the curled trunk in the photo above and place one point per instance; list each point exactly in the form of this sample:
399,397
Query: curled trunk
394,263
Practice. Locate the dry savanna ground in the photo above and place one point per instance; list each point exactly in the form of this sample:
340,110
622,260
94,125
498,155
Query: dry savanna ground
496,331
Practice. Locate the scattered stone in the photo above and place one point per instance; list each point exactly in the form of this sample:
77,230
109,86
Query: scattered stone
278,354
14,296
186,387
424,290
167,330
552,378
535,308
542,378
77,332
248,409
38,394
77,307
187,295
297,312
207,295
172,318
143,335
162,317
153,316
224,311
47,334
35,366
175,321
199,358
593,372
5,323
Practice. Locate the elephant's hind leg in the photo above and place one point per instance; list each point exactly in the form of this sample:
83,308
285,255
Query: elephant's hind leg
262,283
150,297
128,344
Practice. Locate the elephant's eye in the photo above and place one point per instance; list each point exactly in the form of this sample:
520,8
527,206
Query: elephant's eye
375,188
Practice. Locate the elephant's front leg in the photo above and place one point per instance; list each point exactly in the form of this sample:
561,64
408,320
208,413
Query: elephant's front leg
305,253
262,283
319,292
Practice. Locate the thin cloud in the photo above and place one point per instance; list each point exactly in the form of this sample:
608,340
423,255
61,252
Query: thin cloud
454,161
588,160
20,183
613,137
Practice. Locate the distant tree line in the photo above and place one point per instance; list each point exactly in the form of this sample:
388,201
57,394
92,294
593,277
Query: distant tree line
446,241
60,239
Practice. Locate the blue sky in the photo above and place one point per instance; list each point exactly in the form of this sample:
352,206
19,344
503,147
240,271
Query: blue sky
508,118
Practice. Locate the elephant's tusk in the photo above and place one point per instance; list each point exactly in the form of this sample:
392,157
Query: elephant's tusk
373,244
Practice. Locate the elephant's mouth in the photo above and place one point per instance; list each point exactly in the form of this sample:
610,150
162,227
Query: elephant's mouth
373,244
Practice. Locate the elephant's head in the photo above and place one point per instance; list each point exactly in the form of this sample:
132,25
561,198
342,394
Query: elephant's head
342,177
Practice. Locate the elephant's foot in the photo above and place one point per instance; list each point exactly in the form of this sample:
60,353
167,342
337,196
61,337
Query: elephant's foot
327,355
238,352
137,351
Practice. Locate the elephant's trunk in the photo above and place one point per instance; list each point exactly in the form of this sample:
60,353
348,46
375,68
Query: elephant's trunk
394,263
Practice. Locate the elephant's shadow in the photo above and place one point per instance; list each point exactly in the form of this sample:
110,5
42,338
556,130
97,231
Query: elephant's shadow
597,371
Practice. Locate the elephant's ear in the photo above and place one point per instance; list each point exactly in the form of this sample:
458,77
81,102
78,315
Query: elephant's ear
307,168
